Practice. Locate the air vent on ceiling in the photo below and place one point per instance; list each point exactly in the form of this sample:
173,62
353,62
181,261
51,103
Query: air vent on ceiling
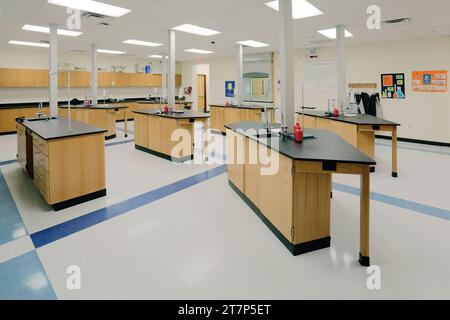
96,18
44,41
78,51
322,41
397,21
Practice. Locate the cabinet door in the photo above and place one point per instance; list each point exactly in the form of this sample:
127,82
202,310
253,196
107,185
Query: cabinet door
105,79
41,79
178,80
8,78
21,146
8,123
154,133
168,126
25,78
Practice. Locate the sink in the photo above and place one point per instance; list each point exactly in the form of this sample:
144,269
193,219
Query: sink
40,119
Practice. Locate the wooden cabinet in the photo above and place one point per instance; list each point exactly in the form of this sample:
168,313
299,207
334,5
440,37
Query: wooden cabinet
8,78
106,79
41,79
141,130
217,119
154,133
21,146
25,78
8,120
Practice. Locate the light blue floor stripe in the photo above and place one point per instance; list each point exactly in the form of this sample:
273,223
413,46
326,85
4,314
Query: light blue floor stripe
63,230
11,224
415,149
24,278
397,202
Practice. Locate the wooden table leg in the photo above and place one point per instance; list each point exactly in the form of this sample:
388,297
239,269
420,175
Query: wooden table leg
126,123
394,153
364,255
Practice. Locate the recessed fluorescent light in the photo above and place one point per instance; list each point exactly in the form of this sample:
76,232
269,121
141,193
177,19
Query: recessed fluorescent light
110,51
253,44
92,6
189,28
300,9
142,43
30,44
332,34
157,56
199,51
61,32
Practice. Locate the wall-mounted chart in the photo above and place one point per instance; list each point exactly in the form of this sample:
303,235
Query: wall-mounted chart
430,81
393,86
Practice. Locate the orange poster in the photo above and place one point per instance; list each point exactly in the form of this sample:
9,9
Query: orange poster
430,81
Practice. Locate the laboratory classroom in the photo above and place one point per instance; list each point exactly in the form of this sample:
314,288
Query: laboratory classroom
214,150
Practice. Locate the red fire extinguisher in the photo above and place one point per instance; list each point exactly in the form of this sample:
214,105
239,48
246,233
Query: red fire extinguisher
298,133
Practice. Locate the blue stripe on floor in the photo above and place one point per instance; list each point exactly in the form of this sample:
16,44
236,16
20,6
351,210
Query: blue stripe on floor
5,163
415,149
68,228
397,202
11,224
24,278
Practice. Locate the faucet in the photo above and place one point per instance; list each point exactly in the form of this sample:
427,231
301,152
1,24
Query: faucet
284,127
40,114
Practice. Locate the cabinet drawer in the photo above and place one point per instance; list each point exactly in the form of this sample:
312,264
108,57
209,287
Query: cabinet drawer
41,175
40,159
42,187
40,144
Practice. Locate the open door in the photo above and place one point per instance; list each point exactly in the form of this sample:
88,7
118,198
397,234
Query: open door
201,95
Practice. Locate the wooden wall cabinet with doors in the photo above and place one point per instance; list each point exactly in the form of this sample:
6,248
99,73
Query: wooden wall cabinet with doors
201,93
8,117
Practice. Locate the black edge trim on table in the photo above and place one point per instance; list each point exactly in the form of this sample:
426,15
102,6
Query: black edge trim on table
76,201
164,156
297,249
128,120
426,142
364,261
111,137
7,133
220,133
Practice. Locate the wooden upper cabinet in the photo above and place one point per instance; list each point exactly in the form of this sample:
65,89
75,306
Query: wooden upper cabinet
25,78
8,78
105,79
41,79
80,79
178,80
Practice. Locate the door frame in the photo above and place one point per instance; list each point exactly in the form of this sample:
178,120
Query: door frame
204,90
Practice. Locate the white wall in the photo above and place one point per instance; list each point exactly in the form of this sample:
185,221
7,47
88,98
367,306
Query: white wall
424,116
38,59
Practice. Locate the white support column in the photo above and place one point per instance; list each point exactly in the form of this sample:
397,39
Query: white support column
287,62
240,75
341,64
172,70
94,74
164,76
53,70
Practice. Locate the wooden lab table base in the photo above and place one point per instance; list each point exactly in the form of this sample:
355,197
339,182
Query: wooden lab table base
295,203
361,136
153,134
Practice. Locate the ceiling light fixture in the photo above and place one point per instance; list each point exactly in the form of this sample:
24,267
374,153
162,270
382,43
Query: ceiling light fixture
157,56
92,6
300,9
110,51
189,28
199,51
29,44
142,43
253,44
332,33
61,32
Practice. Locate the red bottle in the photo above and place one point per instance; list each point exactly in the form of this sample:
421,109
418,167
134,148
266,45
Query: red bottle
298,133
166,108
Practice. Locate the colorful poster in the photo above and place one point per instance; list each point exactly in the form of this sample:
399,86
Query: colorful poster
230,87
393,86
430,81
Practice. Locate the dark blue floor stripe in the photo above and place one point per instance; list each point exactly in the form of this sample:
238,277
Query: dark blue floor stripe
415,149
397,202
5,163
65,229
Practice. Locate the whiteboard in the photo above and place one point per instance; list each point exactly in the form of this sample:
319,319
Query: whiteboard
320,77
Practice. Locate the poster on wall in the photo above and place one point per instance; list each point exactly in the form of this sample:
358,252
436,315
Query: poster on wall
430,81
230,87
393,86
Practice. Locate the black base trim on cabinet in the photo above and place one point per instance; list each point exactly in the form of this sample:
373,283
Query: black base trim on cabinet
295,249
76,201
220,133
364,261
128,120
164,156
427,142
7,133
373,169
394,175
111,137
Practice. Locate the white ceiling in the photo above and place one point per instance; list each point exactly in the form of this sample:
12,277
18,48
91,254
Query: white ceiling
237,20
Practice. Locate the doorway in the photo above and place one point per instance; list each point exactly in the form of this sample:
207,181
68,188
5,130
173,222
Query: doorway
201,93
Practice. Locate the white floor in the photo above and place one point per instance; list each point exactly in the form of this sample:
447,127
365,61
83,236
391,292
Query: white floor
205,243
